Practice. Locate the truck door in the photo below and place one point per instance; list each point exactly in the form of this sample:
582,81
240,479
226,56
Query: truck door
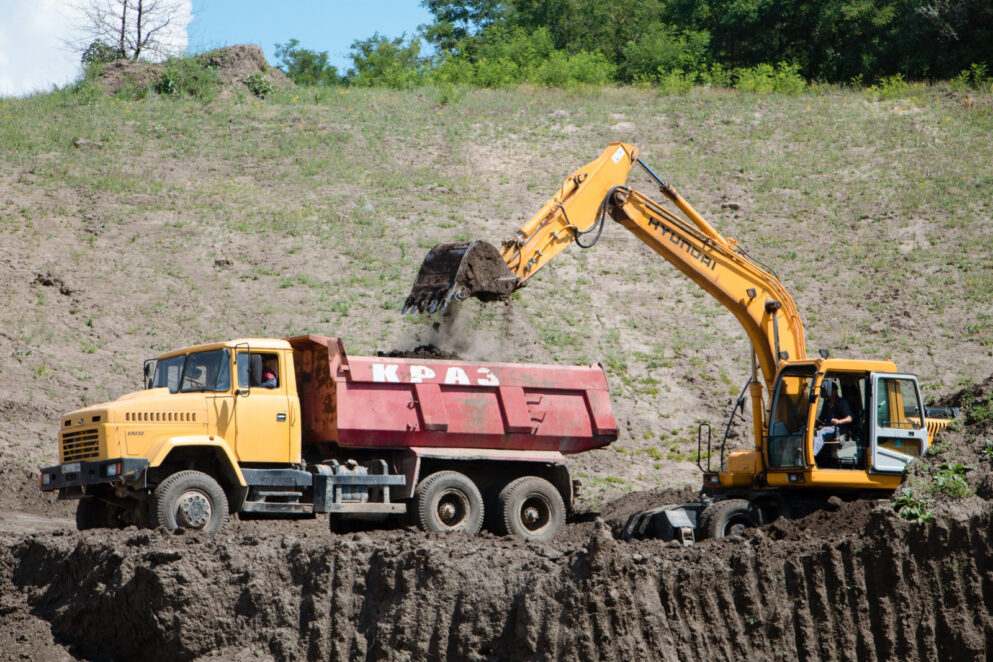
263,414
897,426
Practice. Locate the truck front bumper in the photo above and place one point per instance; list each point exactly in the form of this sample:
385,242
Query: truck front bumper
72,477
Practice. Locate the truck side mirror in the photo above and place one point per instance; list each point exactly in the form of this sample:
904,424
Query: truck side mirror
147,371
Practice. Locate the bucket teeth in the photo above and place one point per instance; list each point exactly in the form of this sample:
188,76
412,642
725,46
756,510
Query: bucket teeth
458,271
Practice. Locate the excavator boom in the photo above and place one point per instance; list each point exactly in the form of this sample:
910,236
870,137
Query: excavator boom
577,213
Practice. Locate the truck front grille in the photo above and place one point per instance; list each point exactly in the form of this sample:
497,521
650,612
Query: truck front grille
80,445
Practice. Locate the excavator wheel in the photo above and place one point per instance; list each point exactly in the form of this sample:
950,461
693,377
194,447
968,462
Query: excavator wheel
726,518
458,271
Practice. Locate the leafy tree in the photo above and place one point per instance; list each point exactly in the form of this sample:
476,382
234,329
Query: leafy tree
304,66
455,21
660,51
379,60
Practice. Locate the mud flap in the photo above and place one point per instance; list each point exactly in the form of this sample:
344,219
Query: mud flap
664,523
458,271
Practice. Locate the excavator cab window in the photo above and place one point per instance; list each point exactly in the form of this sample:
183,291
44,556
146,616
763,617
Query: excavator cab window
790,404
848,450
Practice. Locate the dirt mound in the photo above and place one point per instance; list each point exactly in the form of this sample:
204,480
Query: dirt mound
236,63
233,65
421,352
959,463
891,590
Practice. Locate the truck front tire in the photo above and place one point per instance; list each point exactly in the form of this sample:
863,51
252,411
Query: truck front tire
448,501
532,508
190,500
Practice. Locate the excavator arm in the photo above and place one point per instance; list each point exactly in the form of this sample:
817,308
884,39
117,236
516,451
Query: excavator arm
577,213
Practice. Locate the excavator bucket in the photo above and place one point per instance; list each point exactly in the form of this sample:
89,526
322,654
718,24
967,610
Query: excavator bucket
457,271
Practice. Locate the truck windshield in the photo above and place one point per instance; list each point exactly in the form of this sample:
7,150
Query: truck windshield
199,371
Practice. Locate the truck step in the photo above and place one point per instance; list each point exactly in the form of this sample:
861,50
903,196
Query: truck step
275,494
276,508
368,507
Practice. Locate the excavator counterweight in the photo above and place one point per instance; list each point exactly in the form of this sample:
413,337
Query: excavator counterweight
456,271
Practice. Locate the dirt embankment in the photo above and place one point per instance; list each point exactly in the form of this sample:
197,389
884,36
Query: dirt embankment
858,584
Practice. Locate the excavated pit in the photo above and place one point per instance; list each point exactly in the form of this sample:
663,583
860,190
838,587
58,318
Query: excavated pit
888,590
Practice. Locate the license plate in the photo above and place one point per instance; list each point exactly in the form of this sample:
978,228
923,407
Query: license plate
71,468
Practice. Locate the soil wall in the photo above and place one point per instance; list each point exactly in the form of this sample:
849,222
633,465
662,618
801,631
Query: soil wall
884,590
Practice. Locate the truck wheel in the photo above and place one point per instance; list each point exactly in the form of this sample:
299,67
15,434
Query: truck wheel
726,518
532,508
449,501
190,500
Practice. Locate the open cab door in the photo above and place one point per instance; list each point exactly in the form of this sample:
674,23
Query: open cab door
897,426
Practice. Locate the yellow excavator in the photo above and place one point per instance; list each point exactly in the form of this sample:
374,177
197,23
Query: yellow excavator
823,427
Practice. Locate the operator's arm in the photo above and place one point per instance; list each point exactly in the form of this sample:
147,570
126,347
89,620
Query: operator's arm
843,409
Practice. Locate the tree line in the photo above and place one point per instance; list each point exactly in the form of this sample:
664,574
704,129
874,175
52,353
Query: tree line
776,44
721,42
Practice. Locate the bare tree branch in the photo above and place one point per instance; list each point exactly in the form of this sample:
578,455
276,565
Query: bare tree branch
131,28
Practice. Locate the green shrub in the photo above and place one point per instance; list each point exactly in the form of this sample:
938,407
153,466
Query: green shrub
259,84
892,87
188,76
661,50
910,508
950,479
976,77
561,70
676,82
99,52
765,79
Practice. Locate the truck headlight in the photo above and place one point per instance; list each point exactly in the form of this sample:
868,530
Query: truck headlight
46,478
794,478
110,470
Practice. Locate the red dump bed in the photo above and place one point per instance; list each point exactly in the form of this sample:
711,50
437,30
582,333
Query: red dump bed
366,402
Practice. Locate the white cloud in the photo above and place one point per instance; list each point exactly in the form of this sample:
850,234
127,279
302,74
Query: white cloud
34,54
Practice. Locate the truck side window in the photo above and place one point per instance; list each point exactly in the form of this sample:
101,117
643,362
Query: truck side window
253,368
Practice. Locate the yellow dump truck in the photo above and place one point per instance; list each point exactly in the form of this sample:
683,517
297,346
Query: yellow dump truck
297,427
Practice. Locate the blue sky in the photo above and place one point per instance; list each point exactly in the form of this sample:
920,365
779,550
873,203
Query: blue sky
328,25
34,34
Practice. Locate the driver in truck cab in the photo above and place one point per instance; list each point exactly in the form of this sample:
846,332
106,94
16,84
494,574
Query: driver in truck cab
836,416
268,378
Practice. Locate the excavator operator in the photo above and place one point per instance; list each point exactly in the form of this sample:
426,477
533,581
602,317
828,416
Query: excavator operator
835,418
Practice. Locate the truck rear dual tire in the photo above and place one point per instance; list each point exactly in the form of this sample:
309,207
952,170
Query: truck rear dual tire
190,500
727,518
531,508
448,501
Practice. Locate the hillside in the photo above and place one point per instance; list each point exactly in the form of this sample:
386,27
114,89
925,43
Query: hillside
131,227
